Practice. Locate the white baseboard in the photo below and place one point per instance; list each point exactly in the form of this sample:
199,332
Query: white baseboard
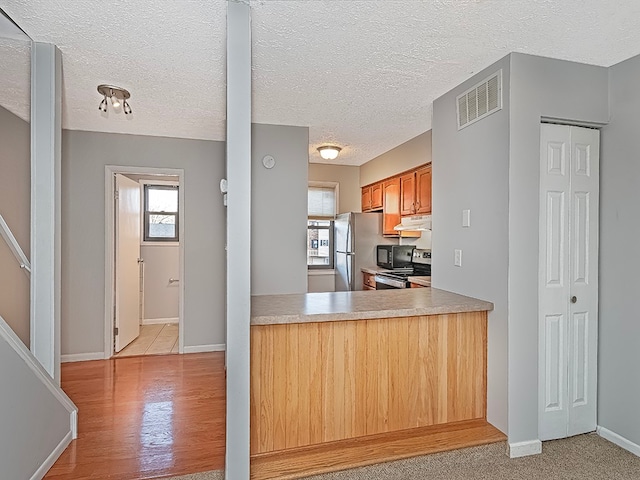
51,459
618,440
157,321
81,357
524,449
218,347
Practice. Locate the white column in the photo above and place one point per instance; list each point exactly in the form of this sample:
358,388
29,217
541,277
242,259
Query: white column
46,139
238,237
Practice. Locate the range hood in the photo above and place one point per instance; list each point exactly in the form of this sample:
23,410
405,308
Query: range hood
419,223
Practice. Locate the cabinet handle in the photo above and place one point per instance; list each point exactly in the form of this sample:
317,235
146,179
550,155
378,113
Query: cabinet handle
574,299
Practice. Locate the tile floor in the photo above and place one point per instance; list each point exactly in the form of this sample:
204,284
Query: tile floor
153,340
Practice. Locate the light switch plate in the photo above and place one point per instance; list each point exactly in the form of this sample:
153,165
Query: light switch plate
457,258
466,218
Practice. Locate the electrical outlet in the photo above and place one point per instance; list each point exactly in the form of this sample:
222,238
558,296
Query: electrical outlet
457,257
466,218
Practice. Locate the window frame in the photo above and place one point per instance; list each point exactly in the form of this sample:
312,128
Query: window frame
331,264
145,185
330,227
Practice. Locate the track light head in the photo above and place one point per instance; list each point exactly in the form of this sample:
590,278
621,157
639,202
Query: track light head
103,105
126,108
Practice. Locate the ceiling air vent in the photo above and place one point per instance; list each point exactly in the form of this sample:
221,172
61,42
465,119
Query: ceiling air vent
480,101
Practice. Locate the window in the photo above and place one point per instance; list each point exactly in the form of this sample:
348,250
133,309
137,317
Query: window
320,243
161,213
321,212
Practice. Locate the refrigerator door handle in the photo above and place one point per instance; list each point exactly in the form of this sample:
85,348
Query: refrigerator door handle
348,247
349,260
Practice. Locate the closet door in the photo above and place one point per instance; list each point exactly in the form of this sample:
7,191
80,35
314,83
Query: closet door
568,287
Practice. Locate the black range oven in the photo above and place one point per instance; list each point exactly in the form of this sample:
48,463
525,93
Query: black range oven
392,279
399,278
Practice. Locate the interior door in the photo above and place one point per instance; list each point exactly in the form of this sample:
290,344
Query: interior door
127,254
568,280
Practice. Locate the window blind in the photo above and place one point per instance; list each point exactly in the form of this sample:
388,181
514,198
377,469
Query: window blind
322,202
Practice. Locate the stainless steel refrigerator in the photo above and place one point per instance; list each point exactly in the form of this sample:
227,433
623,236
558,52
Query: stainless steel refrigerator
356,236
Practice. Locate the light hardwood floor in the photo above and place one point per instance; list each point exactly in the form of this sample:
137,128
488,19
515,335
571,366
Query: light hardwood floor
160,339
145,417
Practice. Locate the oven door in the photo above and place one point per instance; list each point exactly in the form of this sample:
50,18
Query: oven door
385,283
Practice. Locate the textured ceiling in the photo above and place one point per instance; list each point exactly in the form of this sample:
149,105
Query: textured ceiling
361,74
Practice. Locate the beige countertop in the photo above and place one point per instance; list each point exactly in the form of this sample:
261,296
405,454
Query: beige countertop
373,270
424,281
337,306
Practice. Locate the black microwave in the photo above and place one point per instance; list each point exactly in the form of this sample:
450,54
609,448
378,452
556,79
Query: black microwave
394,256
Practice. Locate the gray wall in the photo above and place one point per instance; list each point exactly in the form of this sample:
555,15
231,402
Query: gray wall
492,168
321,283
410,154
540,87
279,210
161,298
15,201
619,355
348,178
84,156
33,421
470,171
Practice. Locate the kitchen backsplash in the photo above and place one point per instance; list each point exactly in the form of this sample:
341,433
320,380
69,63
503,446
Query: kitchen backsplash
423,242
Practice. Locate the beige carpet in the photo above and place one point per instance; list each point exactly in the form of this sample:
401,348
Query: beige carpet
580,458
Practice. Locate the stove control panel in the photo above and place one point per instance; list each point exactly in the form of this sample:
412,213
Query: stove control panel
421,255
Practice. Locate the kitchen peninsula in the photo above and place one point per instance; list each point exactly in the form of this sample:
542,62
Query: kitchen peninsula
345,379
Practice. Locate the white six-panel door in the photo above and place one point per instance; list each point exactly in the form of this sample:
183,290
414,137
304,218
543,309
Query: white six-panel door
568,280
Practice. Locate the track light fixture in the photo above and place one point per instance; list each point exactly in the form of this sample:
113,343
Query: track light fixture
118,97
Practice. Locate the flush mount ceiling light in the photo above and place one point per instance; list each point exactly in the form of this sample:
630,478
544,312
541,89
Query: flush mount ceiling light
329,152
117,95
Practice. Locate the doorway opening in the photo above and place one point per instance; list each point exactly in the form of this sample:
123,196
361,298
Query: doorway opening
144,258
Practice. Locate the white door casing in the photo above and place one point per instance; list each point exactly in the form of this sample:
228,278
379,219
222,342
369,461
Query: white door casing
568,280
127,254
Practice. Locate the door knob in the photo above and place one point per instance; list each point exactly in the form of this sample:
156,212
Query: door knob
574,299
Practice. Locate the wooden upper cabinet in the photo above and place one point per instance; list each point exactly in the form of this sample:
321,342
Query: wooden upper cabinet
408,194
366,199
376,196
423,190
402,195
415,189
391,210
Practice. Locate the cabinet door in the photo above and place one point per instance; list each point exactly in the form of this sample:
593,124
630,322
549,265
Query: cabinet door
408,194
391,211
369,281
423,190
366,199
376,196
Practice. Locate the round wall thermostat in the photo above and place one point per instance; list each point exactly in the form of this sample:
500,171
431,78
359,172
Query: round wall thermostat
268,161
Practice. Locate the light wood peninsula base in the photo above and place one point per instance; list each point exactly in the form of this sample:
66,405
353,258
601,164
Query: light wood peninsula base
363,451
330,395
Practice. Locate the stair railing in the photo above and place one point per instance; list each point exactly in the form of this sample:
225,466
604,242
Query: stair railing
5,232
